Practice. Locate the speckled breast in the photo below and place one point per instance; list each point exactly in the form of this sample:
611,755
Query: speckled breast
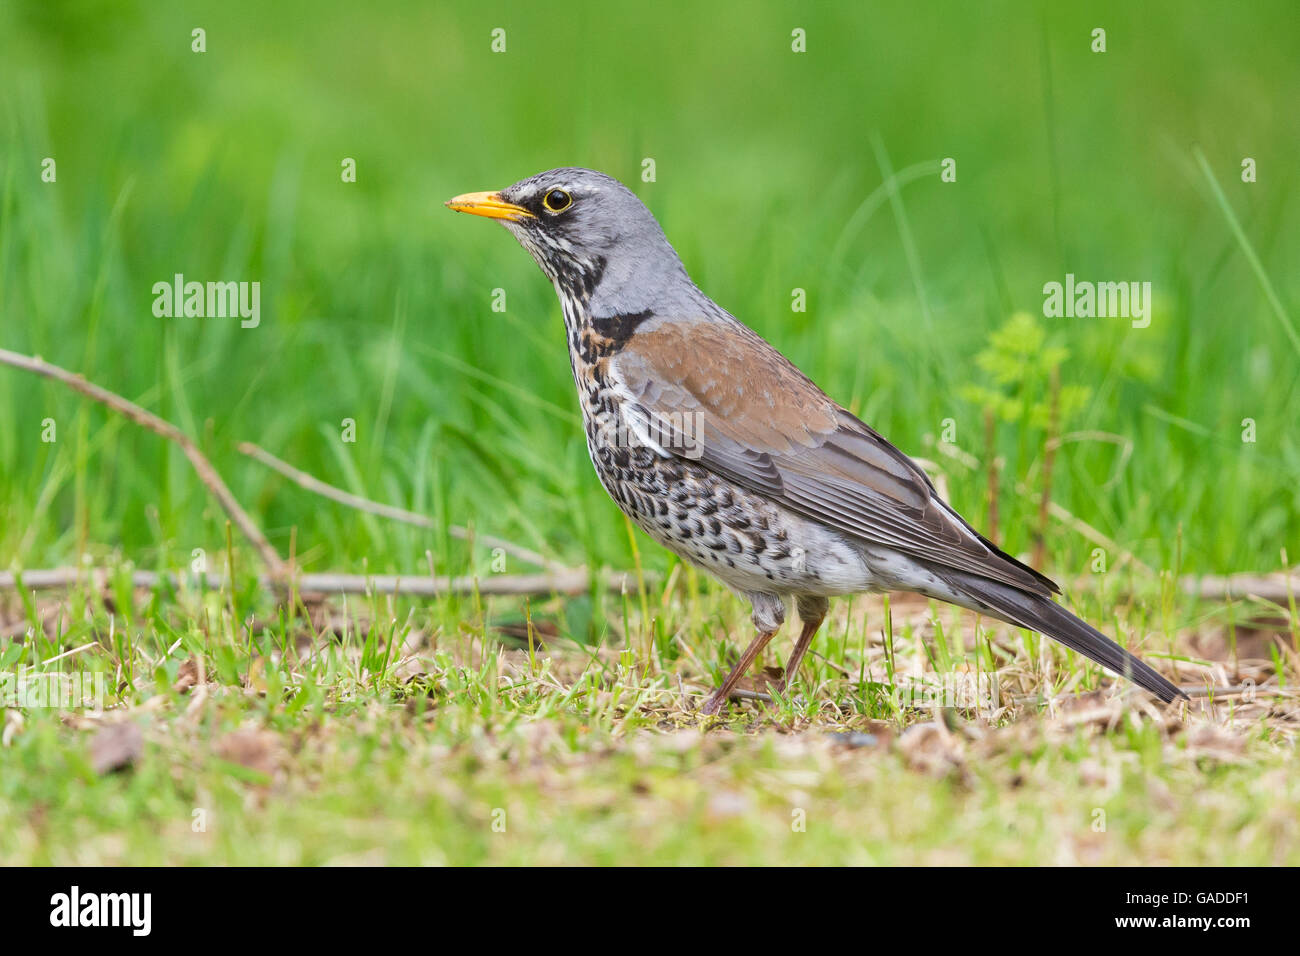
737,535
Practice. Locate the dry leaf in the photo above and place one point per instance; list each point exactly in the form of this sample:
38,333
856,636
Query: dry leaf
255,749
187,676
116,747
930,747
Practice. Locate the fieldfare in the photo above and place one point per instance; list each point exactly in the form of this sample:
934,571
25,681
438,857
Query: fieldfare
721,450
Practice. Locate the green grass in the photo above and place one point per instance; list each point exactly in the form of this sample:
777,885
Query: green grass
376,300
382,733
773,173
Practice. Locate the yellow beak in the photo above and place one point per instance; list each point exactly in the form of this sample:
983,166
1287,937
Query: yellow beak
490,205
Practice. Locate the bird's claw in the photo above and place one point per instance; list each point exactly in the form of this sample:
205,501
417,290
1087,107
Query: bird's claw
772,686
713,706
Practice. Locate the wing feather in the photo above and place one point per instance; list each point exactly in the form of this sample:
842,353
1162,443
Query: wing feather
757,420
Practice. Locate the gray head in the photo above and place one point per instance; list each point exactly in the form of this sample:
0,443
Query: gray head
591,236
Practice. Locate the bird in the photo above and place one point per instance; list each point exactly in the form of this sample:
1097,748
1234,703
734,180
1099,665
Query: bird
724,452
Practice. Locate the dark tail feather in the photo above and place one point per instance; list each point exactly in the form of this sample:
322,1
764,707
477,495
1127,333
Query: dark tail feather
1047,617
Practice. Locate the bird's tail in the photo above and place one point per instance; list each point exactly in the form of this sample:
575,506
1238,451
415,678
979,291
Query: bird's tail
1045,616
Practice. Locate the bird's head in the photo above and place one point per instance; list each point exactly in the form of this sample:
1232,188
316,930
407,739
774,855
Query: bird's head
586,230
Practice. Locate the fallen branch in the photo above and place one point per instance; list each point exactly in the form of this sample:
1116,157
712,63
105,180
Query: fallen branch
1274,588
570,582
146,419
316,486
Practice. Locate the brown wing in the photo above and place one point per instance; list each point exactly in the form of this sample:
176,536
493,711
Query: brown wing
721,395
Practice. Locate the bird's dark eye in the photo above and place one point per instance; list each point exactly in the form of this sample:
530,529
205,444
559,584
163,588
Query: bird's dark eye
557,200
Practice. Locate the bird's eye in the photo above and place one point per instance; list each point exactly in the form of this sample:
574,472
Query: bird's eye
557,200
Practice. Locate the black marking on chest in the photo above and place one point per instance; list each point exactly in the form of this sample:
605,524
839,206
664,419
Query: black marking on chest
619,328
607,335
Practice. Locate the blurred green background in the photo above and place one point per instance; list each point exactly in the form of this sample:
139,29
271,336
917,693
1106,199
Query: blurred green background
376,301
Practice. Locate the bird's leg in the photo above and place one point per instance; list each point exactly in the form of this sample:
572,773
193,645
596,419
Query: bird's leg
769,614
812,611
719,697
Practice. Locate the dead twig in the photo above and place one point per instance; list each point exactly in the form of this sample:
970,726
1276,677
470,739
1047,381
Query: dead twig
1065,517
1088,531
1273,588
571,581
146,419
313,484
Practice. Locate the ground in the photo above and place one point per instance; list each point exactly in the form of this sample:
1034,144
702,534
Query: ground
436,736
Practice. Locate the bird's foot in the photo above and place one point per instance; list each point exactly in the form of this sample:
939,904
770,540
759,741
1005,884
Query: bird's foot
772,681
713,706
